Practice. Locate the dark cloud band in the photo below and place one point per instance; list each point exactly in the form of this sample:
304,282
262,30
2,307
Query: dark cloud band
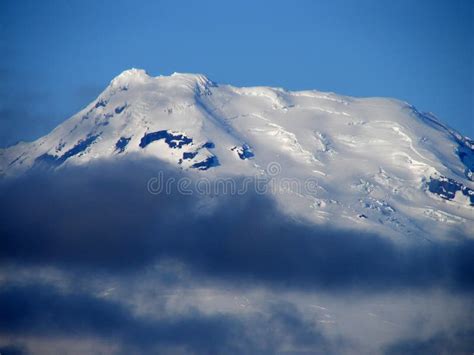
105,219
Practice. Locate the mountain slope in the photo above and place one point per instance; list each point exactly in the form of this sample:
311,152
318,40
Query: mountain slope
370,163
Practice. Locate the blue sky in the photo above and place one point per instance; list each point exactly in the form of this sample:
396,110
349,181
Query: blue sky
57,56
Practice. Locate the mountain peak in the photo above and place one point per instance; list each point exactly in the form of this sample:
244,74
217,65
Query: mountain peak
197,82
378,163
132,74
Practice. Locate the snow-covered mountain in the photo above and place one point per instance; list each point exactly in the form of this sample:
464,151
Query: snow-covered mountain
372,163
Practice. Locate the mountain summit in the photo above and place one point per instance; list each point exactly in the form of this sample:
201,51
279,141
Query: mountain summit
378,163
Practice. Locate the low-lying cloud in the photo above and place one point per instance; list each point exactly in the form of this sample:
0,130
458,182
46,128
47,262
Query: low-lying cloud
45,311
101,220
96,219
